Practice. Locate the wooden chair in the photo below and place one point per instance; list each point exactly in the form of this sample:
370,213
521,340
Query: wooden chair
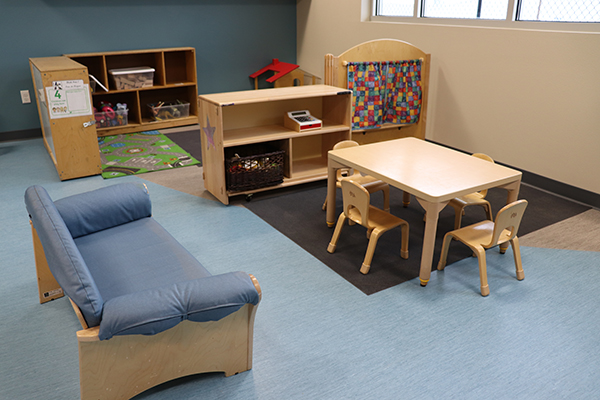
358,209
487,234
473,199
368,182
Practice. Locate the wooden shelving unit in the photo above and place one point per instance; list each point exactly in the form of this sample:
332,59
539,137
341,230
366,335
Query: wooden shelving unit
69,137
231,121
174,79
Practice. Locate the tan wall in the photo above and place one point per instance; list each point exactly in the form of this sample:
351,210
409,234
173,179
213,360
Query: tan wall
527,98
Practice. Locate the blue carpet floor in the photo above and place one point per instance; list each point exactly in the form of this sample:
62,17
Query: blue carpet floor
316,335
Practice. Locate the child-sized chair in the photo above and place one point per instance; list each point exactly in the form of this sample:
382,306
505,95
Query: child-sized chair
358,209
368,182
472,199
487,234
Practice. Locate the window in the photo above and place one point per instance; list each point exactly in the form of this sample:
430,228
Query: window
559,10
484,9
527,10
395,8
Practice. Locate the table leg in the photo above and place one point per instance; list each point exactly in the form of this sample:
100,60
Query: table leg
432,211
513,191
332,168
405,199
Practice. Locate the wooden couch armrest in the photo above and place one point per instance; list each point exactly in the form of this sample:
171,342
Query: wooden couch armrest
124,366
88,335
256,285
48,288
91,334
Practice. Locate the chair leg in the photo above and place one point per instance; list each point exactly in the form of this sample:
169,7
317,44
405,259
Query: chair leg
386,198
485,289
366,266
336,233
404,246
517,255
488,211
458,213
444,254
325,204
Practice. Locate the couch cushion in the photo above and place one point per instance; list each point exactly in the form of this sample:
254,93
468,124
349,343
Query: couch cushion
156,310
64,259
137,256
104,208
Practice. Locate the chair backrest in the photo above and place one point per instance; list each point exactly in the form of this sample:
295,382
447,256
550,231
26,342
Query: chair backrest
356,197
507,222
485,157
342,145
345,143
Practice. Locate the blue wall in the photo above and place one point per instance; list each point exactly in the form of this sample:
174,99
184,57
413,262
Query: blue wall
232,38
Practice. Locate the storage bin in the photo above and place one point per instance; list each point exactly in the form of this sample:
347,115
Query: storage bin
132,78
169,110
111,119
254,171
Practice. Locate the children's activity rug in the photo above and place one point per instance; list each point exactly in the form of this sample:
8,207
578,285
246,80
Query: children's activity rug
137,153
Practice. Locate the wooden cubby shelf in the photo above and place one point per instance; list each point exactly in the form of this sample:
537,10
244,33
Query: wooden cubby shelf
174,79
231,121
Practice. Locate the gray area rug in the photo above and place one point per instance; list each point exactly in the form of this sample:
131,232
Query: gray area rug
298,215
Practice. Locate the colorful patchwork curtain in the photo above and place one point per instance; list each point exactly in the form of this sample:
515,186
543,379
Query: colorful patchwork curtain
364,79
385,92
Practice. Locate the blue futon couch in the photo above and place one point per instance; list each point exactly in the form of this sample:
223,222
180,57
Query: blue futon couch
150,311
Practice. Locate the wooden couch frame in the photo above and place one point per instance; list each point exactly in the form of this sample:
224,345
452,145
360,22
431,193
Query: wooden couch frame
124,366
381,50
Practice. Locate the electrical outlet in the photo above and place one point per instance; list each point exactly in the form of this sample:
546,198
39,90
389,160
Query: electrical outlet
25,97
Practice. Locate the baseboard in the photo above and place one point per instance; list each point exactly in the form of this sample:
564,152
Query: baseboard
550,185
562,189
20,135
186,128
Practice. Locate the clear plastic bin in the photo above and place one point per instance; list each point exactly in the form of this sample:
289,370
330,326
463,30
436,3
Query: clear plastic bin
169,110
132,78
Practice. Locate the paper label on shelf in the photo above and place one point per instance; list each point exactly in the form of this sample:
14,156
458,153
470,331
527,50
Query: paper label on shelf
68,99
54,292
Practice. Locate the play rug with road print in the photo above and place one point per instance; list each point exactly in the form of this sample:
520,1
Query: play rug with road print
137,153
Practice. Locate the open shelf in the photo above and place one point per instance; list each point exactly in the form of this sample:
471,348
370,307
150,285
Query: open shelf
174,79
310,167
255,134
180,67
237,119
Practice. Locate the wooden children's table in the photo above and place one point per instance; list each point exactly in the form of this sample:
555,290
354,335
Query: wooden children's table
432,173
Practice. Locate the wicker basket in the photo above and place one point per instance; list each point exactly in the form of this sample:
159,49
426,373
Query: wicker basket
255,171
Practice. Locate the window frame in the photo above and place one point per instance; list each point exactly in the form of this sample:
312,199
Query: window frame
509,23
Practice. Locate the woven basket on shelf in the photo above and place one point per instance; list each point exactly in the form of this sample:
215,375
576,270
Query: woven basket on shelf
255,171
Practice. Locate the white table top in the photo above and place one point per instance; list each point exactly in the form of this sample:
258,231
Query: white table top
429,171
